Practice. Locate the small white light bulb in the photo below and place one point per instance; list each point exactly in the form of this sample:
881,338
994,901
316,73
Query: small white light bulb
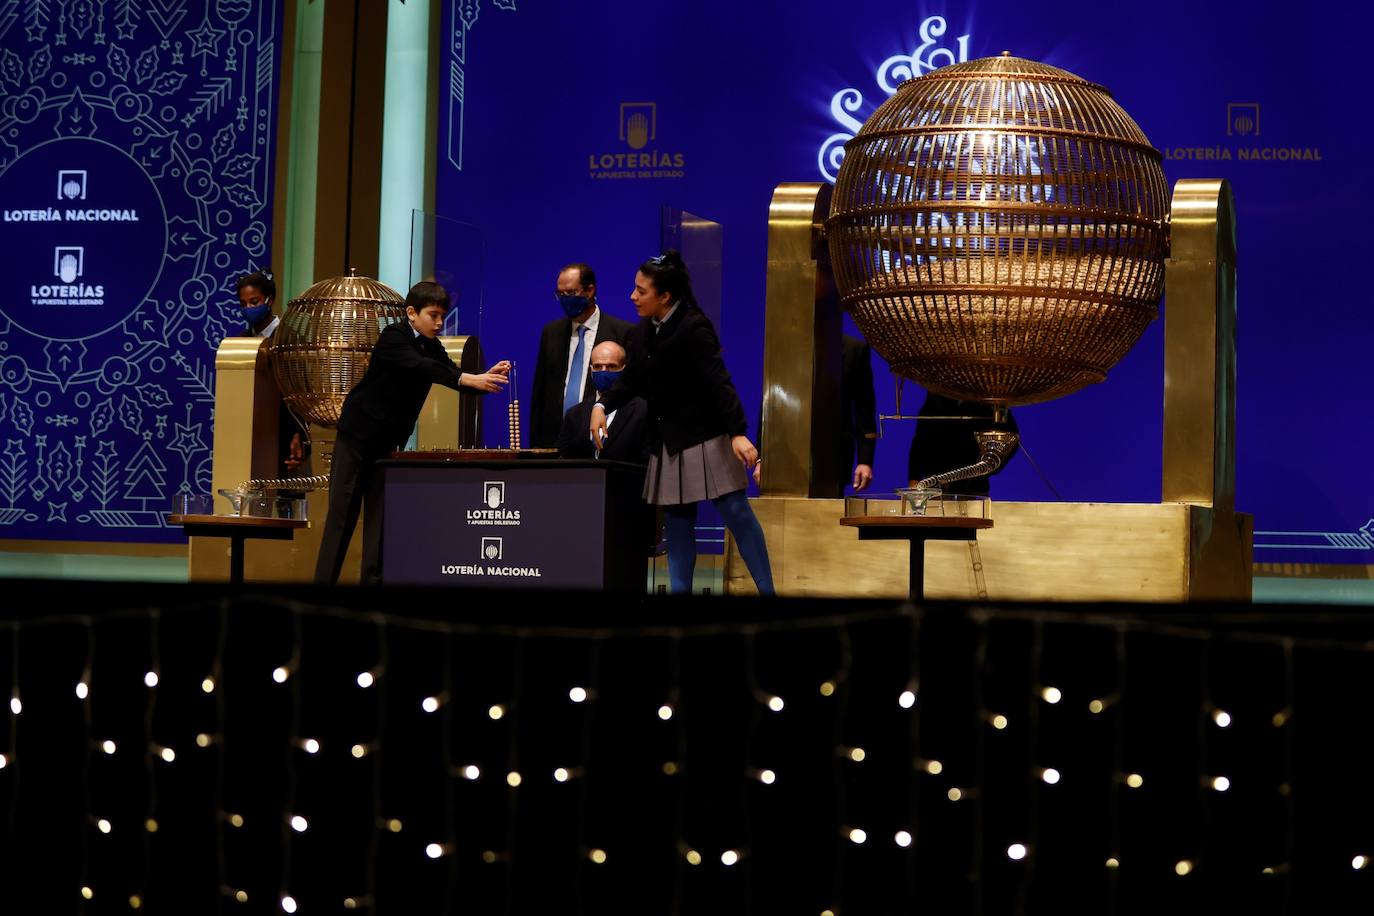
471,772
729,857
365,679
1135,780
857,836
1221,783
903,839
358,751
1359,862
1016,852
150,679
999,722
1222,718
434,850
513,779
16,706
598,856
907,699
280,674
767,777
103,825
776,704
288,904
1050,775
496,711
107,746
1051,695
83,690
577,694
561,774
311,746
208,685
1183,867
430,704
299,824
168,755
665,712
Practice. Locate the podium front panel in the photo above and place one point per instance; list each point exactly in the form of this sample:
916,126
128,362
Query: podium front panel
505,524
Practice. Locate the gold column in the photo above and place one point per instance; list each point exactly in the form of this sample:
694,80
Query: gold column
453,419
1200,347
349,181
801,349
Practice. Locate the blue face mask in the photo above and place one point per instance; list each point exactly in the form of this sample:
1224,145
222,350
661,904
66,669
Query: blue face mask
573,305
603,379
255,313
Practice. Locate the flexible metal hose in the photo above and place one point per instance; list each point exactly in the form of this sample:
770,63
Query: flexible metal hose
995,447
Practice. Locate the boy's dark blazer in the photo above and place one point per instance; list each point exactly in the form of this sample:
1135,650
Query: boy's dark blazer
381,410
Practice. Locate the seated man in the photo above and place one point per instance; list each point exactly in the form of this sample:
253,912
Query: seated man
627,429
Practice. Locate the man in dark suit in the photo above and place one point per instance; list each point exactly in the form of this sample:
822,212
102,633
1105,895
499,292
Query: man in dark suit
628,433
378,416
858,411
562,376
858,415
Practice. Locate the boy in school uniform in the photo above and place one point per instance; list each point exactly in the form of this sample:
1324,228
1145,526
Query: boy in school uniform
378,416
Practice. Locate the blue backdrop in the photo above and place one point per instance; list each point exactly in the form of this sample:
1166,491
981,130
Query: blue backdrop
136,157
547,109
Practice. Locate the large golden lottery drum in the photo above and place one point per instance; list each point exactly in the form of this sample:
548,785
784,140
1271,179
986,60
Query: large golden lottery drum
998,231
325,340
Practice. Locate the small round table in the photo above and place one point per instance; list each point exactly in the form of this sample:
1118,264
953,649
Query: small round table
917,529
238,528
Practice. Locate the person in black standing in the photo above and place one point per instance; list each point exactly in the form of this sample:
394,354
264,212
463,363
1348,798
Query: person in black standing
562,376
257,292
858,416
378,416
858,411
700,450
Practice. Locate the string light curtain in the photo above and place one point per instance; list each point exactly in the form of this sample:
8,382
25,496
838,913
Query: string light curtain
260,753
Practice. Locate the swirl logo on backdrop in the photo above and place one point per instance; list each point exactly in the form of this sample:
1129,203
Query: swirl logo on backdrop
846,104
92,239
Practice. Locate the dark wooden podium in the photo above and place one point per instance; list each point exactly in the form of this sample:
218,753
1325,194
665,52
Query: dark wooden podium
522,524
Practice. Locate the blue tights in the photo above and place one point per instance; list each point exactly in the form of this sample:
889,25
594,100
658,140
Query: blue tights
679,530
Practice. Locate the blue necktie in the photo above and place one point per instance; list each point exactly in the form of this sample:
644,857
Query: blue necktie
573,396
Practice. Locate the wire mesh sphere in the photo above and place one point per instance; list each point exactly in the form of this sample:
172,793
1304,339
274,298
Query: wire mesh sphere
998,231
323,345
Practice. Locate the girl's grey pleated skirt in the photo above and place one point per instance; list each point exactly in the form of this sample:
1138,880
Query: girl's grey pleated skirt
698,472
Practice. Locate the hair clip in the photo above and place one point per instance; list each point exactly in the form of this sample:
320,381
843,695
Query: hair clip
268,274
658,260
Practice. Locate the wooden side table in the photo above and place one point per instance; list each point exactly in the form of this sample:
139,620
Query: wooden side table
238,528
917,529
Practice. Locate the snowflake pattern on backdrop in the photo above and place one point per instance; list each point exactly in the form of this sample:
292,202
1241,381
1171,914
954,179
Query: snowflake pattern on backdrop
99,432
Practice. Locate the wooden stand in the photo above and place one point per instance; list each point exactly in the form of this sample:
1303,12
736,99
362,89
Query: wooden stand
238,528
917,529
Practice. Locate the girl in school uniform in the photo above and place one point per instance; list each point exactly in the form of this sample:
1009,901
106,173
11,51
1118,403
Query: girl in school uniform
700,450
